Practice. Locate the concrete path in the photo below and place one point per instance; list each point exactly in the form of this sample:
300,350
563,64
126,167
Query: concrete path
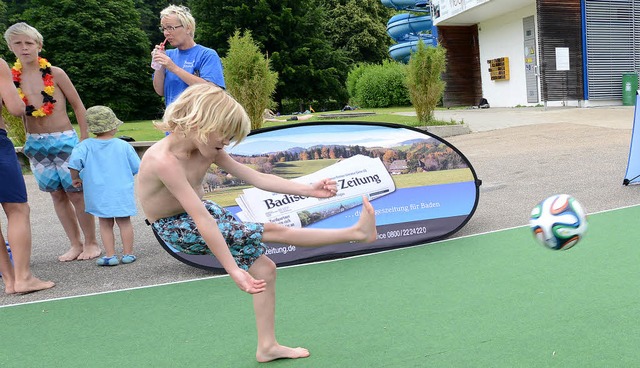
479,120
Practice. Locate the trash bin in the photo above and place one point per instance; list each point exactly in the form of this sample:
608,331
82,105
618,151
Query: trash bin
629,88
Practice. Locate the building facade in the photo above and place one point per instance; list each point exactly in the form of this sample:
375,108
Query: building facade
538,52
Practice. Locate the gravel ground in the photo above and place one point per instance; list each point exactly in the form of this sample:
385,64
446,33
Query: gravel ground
521,155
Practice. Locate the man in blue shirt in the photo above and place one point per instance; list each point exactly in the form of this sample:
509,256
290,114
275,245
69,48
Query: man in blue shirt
187,64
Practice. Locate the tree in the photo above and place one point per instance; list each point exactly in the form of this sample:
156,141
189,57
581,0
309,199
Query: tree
359,28
389,156
4,51
249,77
291,33
149,11
103,50
424,80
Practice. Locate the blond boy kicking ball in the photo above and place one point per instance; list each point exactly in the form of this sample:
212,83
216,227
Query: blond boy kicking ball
203,120
45,90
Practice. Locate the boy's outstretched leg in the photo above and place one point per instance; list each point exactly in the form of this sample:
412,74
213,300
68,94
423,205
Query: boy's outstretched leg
364,231
264,309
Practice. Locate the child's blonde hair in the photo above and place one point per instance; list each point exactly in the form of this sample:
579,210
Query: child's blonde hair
184,16
206,108
23,28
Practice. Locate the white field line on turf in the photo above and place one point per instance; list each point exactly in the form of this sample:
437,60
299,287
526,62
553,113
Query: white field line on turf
293,266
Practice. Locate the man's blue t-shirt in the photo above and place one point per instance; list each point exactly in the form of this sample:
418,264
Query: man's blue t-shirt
198,60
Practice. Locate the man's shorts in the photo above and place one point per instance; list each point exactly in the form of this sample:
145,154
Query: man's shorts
49,157
12,187
244,239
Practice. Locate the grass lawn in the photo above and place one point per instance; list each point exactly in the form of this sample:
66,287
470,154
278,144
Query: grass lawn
143,130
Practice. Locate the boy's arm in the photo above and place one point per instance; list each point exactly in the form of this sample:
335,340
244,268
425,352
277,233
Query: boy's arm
75,178
174,178
76,163
72,96
133,158
8,91
323,189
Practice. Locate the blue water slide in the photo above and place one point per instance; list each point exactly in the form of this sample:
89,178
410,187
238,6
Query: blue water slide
408,29
402,51
399,26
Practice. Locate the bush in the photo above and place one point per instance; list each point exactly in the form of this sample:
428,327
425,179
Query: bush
424,80
380,85
15,128
249,77
352,79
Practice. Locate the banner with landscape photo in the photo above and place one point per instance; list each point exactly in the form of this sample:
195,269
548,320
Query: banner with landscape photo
431,189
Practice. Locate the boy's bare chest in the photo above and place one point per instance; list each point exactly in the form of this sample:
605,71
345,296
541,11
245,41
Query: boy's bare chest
196,170
32,85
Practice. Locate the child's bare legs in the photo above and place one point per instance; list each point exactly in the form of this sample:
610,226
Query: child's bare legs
106,234
264,269
70,210
87,222
264,308
126,234
363,231
66,215
108,237
18,278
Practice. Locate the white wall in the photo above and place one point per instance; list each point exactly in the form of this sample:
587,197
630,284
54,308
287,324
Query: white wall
499,37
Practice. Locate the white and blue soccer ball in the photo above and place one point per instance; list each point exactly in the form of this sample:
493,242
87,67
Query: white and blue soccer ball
558,222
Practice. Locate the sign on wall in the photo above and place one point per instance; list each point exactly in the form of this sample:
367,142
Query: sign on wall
445,9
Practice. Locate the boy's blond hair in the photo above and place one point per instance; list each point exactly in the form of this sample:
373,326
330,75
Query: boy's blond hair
184,16
20,29
206,108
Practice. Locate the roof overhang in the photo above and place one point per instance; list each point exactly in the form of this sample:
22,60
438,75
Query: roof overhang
487,10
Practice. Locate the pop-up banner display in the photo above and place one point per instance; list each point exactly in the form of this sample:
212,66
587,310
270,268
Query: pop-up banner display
632,176
421,187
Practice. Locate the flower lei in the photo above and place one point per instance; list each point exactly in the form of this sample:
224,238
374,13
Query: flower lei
47,93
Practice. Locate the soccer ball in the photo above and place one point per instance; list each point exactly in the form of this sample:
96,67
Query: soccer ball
558,222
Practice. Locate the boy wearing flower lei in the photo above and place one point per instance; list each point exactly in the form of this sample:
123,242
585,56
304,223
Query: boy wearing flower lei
45,90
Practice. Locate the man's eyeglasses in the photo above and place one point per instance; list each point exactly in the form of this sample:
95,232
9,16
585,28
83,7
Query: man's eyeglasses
168,28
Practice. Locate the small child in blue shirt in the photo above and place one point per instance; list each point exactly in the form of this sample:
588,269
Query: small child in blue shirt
104,167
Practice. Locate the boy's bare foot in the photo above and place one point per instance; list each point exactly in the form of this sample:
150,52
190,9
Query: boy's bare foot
31,285
71,254
90,252
8,287
281,352
367,223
